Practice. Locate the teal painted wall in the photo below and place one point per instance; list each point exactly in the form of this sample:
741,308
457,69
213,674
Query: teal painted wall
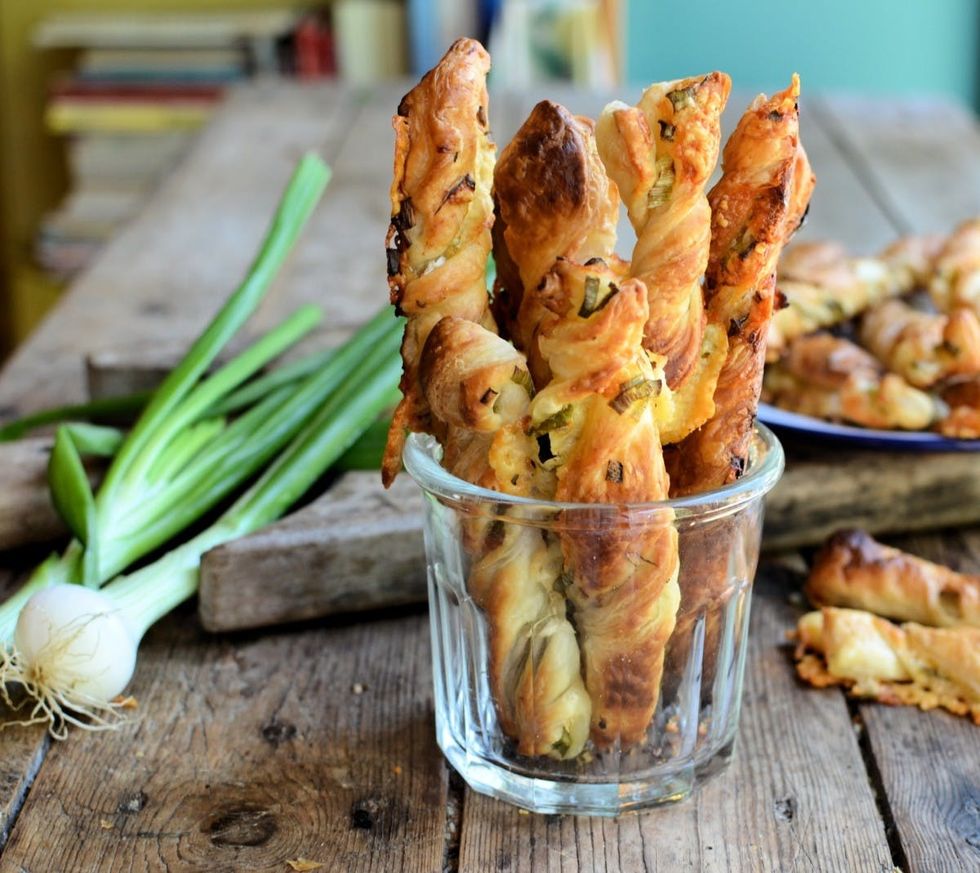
874,46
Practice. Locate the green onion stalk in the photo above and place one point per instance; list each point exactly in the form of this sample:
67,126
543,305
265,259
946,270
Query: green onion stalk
183,458
144,475
74,648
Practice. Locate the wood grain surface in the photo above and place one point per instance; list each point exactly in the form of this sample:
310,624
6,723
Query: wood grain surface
247,751
246,754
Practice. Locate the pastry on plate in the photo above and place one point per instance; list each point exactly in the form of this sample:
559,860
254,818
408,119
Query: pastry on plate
922,347
829,377
956,278
824,287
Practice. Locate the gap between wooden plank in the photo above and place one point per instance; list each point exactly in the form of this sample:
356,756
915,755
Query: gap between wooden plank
878,786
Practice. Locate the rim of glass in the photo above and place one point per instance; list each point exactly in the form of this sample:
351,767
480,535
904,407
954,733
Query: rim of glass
422,454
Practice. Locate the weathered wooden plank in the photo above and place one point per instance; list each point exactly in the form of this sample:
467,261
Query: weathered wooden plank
878,491
357,547
247,753
918,159
795,797
928,763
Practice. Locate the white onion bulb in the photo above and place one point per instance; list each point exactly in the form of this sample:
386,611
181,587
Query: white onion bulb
72,639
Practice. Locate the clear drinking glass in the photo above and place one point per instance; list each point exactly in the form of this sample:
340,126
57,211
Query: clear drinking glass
572,690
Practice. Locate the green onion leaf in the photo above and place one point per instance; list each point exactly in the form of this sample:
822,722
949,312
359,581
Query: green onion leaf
71,492
554,421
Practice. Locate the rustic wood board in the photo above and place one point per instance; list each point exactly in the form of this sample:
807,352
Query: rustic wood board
358,547
336,764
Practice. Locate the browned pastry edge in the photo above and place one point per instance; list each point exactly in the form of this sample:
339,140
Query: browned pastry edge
872,658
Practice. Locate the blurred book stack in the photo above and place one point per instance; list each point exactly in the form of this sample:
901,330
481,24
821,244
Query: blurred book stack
141,88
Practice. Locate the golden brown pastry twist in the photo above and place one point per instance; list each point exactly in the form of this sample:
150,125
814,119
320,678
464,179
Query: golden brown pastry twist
479,386
908,664
956,278
597,422
441,212
830,377
553,199
759,202
660,153
822,286
756,206
855,571
922,347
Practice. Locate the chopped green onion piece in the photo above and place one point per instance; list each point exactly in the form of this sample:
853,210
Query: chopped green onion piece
522,377
563,743
637,388
554,421
660,192
590,298
681,98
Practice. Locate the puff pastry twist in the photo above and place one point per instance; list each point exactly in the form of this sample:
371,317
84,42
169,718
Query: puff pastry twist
660,153
441,211
908,664
756,206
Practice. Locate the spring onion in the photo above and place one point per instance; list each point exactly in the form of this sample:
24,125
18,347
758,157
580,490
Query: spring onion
73,649
180,461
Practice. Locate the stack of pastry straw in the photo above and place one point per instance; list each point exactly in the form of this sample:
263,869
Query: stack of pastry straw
609,381
889,363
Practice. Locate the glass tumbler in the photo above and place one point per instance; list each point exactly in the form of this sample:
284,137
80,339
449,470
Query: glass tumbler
588,658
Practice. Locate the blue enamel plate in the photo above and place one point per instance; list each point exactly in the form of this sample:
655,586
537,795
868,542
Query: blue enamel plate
815,428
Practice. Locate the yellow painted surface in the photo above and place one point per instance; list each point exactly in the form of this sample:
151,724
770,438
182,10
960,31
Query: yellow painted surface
32,171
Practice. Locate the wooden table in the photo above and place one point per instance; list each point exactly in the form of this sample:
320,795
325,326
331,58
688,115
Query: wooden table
317,742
